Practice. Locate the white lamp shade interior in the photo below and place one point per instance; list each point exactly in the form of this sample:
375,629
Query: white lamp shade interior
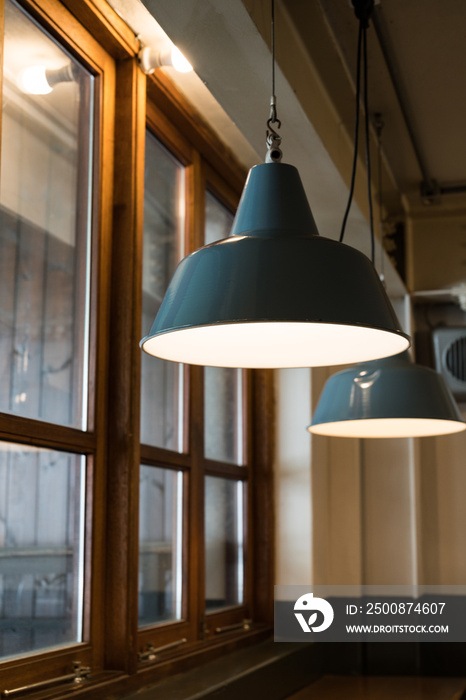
273,345
388,428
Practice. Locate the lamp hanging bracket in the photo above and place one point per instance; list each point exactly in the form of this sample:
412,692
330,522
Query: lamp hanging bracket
273,139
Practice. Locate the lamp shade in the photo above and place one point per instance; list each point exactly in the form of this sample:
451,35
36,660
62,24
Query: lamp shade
275,293
391,397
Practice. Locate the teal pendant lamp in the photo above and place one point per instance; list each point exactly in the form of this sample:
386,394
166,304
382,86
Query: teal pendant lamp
275,293
389,398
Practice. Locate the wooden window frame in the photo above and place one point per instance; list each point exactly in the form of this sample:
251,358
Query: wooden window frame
198,625
222,619
99,38
47,664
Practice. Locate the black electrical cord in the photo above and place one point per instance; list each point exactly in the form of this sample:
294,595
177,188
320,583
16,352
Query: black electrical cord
379,125
356,133
273,139
368,153
272,38
363,9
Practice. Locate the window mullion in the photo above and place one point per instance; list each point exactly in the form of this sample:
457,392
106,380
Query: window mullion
195,520
124,368
261,495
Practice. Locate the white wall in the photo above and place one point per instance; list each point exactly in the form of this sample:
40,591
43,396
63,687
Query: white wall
293,477
350,511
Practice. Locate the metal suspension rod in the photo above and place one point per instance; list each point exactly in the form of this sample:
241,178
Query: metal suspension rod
273,139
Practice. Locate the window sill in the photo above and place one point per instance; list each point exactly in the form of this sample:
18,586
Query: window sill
267,669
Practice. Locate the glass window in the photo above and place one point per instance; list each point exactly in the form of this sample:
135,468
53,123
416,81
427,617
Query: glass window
223,414
160,544
223,387
74,254
44,226
162,389
218,220
41,548
224,553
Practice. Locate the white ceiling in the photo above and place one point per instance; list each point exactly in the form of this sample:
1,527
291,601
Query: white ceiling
427,42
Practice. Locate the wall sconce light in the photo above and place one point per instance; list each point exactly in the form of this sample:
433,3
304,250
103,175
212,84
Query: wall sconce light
39,80
151,59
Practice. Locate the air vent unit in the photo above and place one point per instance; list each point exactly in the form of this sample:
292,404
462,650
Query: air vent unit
450,358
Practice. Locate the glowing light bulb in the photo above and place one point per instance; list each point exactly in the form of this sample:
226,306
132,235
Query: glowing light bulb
179,62
150,59
33,81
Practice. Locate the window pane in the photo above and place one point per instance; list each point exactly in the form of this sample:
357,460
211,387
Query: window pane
44,227
41,548
161,381
223,542
223,387
223,414
160,545
218,220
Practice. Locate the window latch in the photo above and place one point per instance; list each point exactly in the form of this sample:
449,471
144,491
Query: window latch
245,625
152,652
79,675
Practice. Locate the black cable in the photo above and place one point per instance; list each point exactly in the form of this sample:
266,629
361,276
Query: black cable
379,128
272,14
273,139
367,140
356,132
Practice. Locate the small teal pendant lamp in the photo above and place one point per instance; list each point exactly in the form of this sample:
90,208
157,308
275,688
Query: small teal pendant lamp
275,293
388,398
